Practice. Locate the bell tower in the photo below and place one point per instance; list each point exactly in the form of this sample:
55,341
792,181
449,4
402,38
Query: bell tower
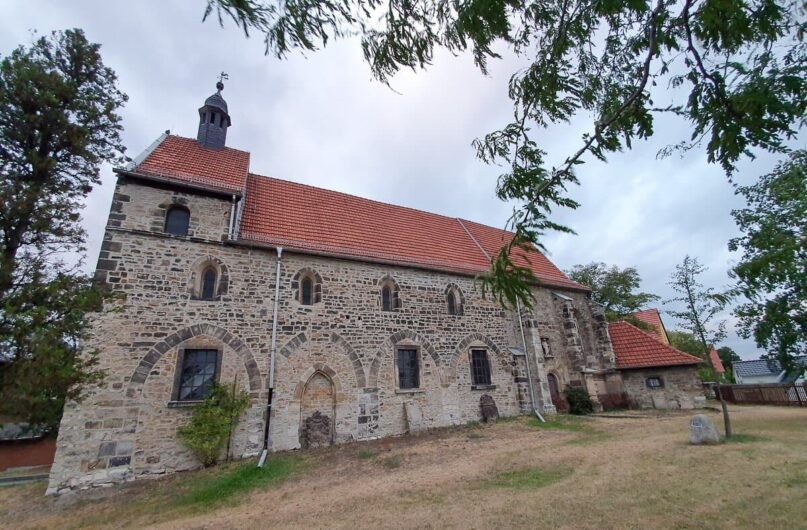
214,119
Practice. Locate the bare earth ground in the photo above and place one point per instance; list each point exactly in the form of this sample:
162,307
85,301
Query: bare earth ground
623,472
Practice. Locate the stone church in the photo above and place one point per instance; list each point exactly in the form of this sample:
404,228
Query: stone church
345,318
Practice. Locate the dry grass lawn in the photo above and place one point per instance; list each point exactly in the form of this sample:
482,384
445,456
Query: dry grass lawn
598,473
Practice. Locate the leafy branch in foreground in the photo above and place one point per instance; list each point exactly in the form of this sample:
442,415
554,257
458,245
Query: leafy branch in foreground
736,71
772,273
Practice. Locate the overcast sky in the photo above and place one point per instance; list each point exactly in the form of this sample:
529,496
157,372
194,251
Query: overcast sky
322,120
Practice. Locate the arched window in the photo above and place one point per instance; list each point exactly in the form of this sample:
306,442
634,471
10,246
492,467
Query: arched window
390,296
306,291
386,298
454,300
452,304
208,291
177,220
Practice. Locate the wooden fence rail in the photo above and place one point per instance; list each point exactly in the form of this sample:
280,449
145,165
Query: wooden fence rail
794,395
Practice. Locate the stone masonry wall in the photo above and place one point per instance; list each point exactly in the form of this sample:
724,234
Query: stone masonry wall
682,388
127,426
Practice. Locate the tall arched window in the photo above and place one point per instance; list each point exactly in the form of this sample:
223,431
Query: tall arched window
306,291
208,291
386,298
454,300
177,220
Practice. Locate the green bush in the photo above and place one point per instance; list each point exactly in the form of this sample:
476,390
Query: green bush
579,401
212,422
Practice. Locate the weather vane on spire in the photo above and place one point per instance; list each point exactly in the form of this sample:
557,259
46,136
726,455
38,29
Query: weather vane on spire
220,84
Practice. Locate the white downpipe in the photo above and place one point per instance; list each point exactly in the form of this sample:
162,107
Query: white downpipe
527,360
271,386
232,219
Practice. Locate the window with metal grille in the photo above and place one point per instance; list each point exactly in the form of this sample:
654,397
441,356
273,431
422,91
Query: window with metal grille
197,374
177,220
655,382
208,291
480,367
408,369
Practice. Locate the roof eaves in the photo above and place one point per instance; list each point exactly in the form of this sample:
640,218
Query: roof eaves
175,181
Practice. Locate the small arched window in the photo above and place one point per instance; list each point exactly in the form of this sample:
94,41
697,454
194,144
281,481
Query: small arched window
177,220
454,300
452,304
386,298
306,291
208,290
390,297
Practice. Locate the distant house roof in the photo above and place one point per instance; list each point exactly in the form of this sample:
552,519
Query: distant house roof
762,367
653,317
308,219
716,362
635,348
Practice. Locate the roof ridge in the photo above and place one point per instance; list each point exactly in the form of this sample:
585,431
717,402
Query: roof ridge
225,148
479,246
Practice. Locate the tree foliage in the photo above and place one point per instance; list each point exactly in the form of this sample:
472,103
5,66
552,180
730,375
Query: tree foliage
772,273
697,310
728,356
212,422
686,342
614,288
58,125
735,71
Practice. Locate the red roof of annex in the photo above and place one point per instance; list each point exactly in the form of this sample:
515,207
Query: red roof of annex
634,348
310,219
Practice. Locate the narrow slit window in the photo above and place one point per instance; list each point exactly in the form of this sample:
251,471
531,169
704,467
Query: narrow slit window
306,291
197,375
408,369
386,298
452,304
208,284
480,367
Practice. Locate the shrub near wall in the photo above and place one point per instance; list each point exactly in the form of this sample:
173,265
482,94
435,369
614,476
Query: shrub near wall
579,401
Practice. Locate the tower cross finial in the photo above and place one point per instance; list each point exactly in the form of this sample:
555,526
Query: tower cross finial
220,84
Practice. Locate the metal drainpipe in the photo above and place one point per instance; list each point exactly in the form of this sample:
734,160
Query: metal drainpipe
527,360
232,218
271,363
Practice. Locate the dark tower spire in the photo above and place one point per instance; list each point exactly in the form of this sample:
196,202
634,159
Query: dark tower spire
214,119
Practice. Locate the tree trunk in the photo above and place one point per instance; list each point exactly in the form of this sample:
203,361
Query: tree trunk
726,418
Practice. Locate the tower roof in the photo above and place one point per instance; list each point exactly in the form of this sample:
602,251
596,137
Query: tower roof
217,101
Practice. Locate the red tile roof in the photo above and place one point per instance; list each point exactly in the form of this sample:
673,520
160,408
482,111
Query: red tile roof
635,348
310,219
302,217
653,318
716,362
183,159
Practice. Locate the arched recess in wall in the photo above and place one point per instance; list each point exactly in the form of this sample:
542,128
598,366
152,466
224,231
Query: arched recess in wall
337,343
463,347
209,279
388,347
148,362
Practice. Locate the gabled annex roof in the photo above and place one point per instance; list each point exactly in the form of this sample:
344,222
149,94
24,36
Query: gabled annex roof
309,219
635,348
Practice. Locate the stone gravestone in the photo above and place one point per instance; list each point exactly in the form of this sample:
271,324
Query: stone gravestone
316,431
702,431
489,410
414,417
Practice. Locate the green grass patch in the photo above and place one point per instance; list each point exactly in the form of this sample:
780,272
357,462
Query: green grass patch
561,422
366,454
527,478
475,436
474,424
392,462
744,438
223,486
796,480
